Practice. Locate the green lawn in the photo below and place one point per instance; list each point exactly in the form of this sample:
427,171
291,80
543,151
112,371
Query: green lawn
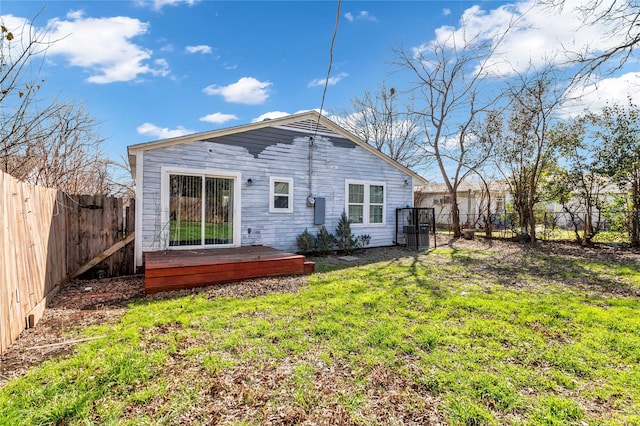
461,336
191,230
557,234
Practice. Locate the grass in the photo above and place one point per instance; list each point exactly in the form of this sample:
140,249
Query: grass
186,231
555,234
467,337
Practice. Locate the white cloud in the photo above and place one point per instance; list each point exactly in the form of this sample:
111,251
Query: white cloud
218,118
161,68
103,46
159,4
247,90
596,96
363,15
270,116
446,11
331,82
202,48
22,32
536,35
162,132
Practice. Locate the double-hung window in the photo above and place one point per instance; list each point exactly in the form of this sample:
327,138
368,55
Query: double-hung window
280,195
365,202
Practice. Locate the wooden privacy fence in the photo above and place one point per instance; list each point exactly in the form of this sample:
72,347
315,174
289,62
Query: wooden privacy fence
46,236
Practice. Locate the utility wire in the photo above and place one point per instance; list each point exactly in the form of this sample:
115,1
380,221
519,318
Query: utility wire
324,94
326,81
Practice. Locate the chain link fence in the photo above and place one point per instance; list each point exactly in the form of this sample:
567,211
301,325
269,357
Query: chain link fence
560,226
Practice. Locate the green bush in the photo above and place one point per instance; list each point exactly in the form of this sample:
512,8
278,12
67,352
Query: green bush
346,241
306,243
363,240
325,241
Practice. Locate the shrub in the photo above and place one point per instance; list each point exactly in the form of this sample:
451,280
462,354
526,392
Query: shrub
363,240
345,239
305,241
325,241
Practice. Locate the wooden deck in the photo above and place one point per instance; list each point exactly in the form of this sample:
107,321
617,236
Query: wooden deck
180,269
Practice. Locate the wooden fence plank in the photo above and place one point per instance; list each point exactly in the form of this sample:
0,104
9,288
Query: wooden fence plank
45,234
102,256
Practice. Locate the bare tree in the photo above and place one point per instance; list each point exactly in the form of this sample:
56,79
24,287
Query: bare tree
45,142
393,130
121,178
450,99
621,20
66,154
19,116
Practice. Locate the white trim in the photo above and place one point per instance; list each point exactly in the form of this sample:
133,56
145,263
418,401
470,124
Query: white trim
272,194
164,203
137,244
277,122
366,205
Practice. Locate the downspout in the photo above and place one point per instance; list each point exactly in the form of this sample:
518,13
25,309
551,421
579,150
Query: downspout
310,199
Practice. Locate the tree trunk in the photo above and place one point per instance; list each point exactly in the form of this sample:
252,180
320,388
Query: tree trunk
523,217
635,214
532,224
587,231
455,215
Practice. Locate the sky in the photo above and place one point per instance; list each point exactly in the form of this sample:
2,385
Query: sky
149,70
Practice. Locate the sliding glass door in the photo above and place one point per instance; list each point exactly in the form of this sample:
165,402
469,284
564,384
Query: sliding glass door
200,210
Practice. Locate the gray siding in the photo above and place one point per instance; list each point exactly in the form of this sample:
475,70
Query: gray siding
283,153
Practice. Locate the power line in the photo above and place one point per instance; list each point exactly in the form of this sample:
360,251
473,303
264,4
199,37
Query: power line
326,81
312,139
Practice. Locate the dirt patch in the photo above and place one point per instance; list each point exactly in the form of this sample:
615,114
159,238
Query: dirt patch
79,305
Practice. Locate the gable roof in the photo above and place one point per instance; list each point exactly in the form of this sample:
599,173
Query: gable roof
310,122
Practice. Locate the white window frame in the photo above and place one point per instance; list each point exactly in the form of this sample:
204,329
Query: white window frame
165,172
272,194
366,206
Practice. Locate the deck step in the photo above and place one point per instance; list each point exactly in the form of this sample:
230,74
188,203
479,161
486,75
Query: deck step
309,267
183,269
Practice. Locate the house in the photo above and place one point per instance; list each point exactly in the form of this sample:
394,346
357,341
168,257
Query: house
263,184
473,199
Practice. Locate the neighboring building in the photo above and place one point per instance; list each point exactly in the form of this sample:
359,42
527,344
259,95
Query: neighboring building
473,198
264,184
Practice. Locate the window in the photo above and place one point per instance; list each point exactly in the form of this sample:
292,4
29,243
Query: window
365,202
376,204
280,195
201,210
356,203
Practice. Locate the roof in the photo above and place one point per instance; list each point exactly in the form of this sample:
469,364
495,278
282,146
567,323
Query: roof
310,121
496,186
441,188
